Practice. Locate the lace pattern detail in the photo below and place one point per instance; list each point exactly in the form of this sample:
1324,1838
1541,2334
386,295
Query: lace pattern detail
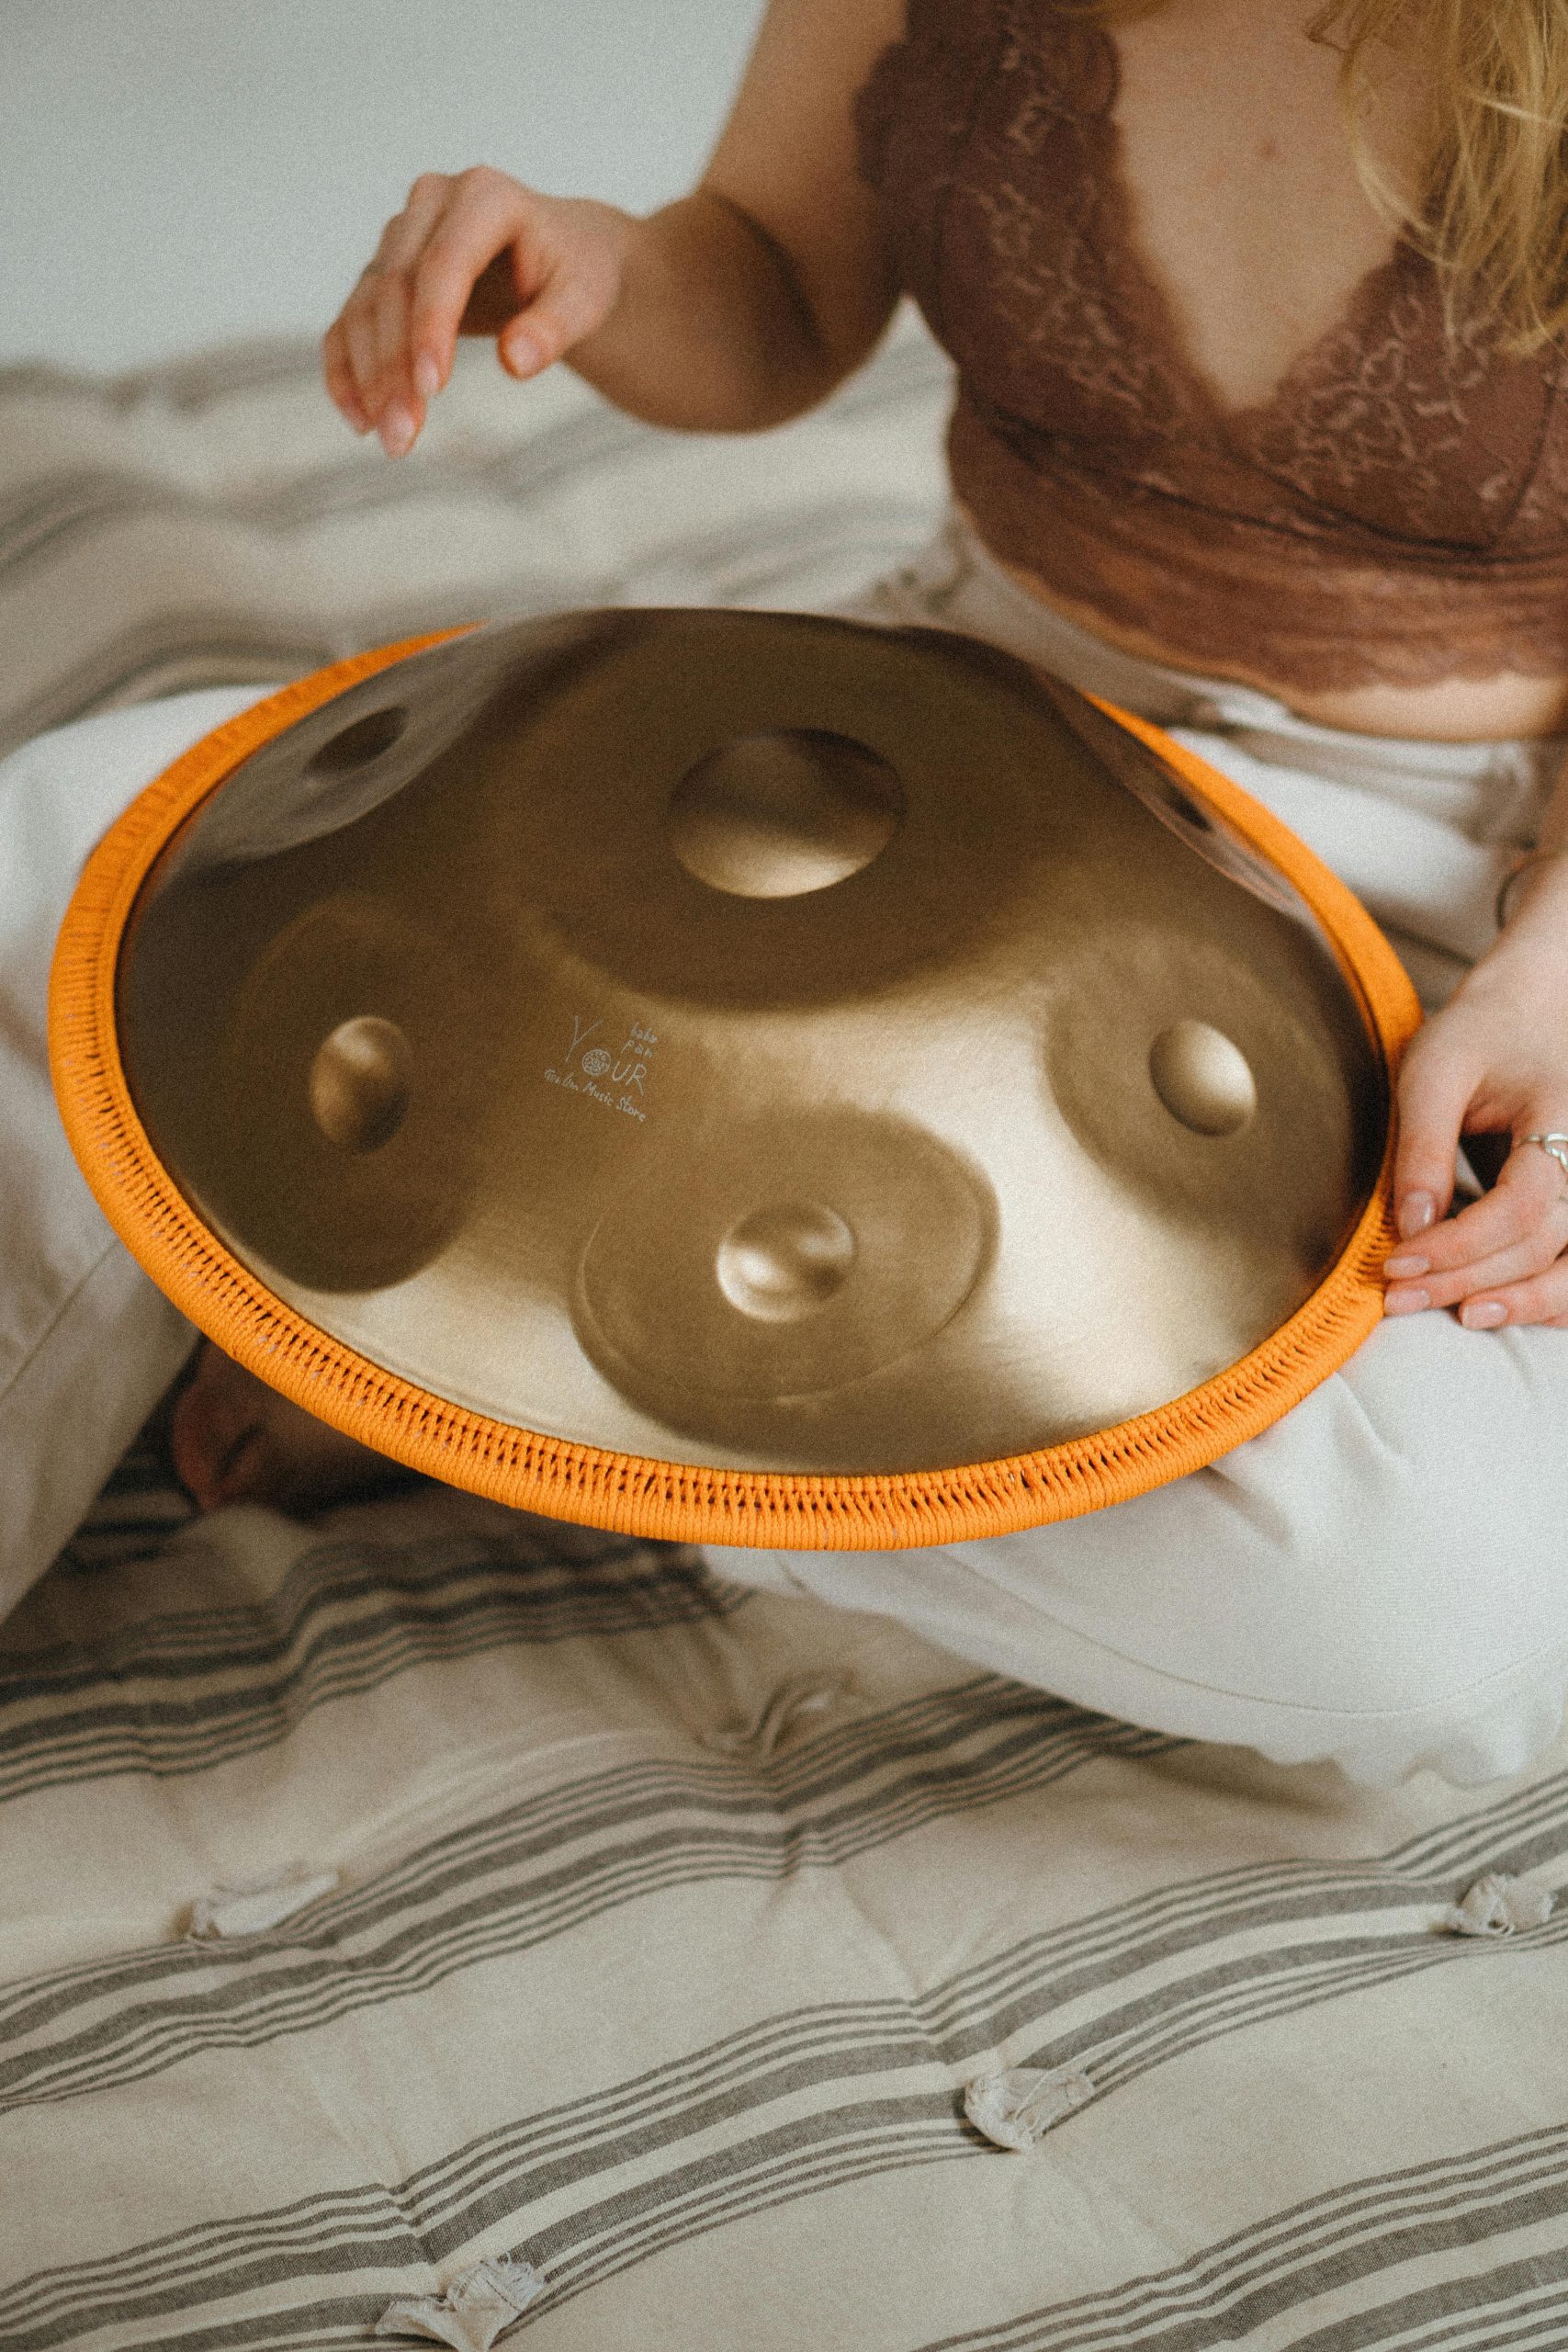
1396,509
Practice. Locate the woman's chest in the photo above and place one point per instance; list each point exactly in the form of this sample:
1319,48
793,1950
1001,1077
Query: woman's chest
1151,252
1227,158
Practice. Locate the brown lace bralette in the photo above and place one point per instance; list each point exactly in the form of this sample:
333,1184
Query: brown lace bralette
1397,510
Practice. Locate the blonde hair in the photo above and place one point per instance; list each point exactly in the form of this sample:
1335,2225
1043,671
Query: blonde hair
1489,207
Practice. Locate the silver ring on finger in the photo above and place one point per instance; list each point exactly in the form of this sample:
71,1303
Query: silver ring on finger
1556,1147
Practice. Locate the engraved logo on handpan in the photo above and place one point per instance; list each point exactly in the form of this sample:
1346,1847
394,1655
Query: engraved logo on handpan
617,1081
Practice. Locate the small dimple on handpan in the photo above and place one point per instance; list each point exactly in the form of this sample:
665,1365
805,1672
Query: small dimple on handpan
785,1261
360,1084
1202,1078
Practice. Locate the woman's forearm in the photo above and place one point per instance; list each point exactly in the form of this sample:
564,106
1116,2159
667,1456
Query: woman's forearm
710,332
694,317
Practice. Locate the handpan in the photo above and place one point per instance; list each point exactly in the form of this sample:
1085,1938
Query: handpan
741,1076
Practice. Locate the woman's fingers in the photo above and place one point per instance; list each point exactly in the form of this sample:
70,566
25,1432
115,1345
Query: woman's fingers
1512,1235
1536,1249
1435,1092
1488,1259
340,379
357,327
569,303
383,298
485,213
1543,1299
404,237
371,368
399,409
1517,1207
478,253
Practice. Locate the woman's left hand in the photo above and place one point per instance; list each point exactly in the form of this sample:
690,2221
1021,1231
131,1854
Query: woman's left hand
1495,1061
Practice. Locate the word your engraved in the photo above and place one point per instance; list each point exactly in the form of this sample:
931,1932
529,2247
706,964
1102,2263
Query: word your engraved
618,1081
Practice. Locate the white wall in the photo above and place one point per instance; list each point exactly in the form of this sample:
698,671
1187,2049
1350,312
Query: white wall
173,172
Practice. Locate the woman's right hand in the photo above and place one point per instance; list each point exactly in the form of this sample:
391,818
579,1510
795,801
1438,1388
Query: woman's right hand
470,254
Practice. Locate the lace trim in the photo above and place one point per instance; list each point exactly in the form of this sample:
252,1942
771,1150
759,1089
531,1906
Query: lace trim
1388,453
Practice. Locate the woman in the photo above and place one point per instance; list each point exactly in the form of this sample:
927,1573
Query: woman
1258,326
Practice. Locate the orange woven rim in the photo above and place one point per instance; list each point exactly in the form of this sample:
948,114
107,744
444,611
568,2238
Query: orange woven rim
679,1501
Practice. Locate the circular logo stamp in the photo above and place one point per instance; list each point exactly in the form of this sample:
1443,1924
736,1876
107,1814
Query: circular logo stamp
595,1062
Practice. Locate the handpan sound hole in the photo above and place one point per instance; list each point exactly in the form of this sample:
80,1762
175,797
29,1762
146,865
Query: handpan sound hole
357,745
775,815
1203,1078
785,1261
360,1084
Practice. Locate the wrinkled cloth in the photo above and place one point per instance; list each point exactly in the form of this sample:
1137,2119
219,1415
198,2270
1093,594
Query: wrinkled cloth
88,1343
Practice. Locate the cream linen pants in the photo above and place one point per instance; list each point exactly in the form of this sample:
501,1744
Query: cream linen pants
1382,1579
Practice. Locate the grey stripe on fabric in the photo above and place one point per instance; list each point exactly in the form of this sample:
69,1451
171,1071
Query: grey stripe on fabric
167,1641
563,1885
177,653
38,523
192,384
531,1872
1347,2236
1526,1826
410,1929
135,1515
514,1881
238,639
182,1691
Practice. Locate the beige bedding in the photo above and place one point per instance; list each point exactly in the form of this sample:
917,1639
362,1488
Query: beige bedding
650,1933
565,1910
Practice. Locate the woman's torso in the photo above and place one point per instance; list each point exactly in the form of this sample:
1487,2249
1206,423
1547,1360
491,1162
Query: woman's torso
1208,405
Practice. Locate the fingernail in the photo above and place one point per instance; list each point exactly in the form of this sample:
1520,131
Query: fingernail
397,431
1482,1313
1397,1268
1415,1214
1406,1302
523,353
426,376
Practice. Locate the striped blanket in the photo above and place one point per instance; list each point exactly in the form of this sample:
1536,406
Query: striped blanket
437,1925
433,1897
216,522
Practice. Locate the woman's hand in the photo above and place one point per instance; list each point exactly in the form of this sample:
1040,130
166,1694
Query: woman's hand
1495,1061
477,254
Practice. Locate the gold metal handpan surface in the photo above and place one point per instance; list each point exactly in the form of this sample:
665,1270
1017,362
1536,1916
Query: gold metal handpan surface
806,1257
771,816
752,1040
